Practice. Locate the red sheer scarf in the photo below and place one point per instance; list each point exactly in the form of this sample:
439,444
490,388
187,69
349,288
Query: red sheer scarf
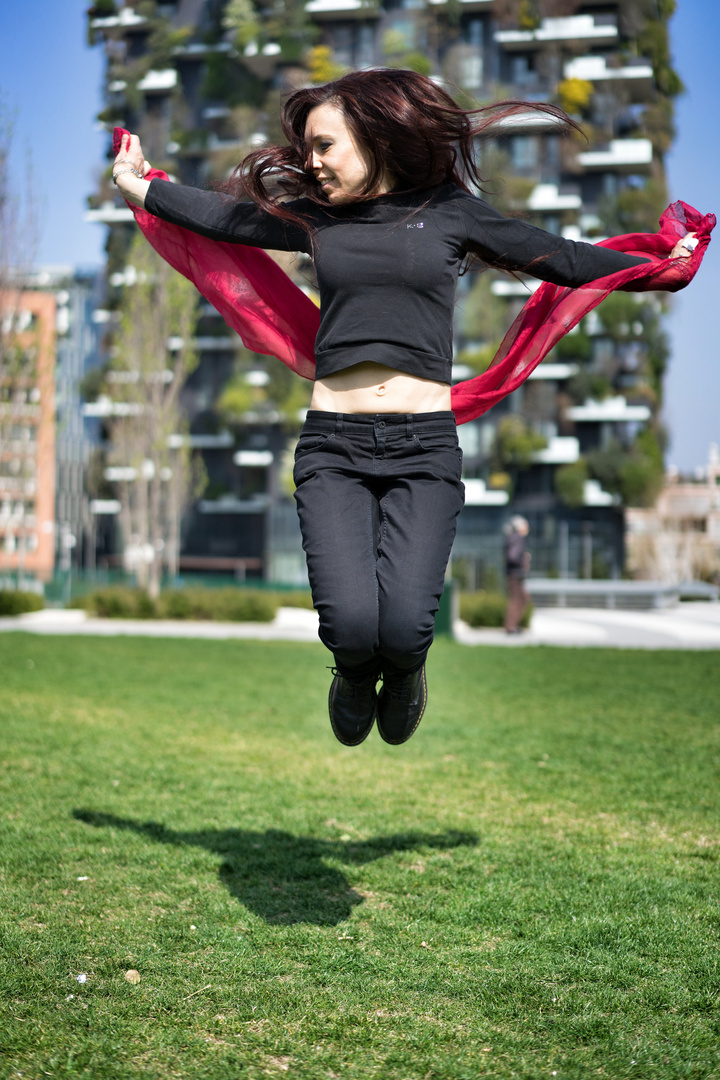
272,315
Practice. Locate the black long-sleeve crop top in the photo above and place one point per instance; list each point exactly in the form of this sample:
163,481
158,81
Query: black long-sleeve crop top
387,267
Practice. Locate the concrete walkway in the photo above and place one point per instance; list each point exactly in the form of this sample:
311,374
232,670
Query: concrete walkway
688,626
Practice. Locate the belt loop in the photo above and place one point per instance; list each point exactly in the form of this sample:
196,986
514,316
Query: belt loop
409,425
338,423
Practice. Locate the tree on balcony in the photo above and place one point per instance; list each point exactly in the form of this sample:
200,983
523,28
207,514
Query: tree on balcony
516,442
570,482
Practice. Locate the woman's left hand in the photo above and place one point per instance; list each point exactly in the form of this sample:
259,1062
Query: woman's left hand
685,247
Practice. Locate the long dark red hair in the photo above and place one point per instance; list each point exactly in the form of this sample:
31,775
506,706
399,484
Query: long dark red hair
409,125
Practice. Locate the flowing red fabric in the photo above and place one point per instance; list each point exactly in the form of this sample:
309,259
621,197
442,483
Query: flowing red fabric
272,315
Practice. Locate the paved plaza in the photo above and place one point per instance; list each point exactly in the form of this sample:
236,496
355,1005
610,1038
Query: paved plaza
687,626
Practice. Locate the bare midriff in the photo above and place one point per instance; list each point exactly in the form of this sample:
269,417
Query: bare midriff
373,388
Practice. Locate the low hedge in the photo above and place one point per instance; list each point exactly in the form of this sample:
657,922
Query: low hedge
300,598
223,605
487,609
16,602
117,602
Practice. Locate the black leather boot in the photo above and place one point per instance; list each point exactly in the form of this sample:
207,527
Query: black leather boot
353,706
401,704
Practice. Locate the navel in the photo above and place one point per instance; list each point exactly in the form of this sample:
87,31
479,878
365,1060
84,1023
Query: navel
381,390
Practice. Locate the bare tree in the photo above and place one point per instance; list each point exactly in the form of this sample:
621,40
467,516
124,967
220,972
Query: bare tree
150,454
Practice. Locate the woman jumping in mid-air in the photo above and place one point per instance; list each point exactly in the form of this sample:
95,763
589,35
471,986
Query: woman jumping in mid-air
377,167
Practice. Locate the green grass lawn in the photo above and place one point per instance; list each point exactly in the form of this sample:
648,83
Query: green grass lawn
529,888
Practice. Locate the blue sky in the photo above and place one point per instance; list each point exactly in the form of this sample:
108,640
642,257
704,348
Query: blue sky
51,81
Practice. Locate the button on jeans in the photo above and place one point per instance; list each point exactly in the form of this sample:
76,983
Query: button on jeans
378,499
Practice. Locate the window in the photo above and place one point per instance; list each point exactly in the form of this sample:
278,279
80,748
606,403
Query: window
471,71
524,151
522,70
365,50
343,45
475,33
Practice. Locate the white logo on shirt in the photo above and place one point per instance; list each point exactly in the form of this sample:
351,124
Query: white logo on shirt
419,225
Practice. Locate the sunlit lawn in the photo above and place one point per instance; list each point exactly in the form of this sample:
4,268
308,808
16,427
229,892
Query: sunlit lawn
528,888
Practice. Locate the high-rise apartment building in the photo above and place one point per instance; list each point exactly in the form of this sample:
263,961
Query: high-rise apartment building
81,325
202,80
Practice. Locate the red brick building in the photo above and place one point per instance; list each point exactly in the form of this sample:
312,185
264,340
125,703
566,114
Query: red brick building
27,434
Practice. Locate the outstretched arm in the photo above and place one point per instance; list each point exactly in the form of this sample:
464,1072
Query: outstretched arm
511,244
514,245
207,213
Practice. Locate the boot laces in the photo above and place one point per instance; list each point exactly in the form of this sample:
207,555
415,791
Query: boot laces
399,686
357,687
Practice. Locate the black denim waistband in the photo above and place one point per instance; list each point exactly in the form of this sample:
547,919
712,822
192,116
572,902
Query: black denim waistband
321,422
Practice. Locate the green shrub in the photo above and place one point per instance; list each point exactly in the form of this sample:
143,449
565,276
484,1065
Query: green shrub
577,346
487,609
119,602
516,442
15,602
300,598
242,605
225,605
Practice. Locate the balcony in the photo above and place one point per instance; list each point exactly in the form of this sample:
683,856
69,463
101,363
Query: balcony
105,407
159,82
271,49
230,504
217,344
514,288
477,494
471,5
342,9
560,450
223,440
105,506
20,410
109,214
254,459
593,495
126,19
595,69
575,28
611,410
198,50
549,197
11,486
554,372
216,112
622,155
524,122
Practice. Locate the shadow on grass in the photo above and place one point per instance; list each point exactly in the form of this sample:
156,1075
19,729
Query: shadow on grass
283,878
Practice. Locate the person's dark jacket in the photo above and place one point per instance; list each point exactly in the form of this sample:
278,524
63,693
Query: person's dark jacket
515,555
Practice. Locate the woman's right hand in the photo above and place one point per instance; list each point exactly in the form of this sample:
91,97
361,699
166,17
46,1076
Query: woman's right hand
130,156
130,153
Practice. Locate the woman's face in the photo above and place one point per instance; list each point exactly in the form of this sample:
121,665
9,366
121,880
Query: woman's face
340,164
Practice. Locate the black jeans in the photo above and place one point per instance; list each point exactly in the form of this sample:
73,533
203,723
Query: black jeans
378,499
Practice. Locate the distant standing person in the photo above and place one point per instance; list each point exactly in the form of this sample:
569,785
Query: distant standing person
517,564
